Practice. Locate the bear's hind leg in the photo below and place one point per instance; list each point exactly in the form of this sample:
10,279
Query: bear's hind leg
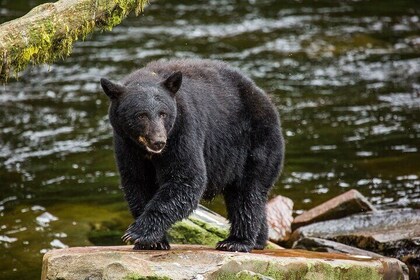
245,211
246,200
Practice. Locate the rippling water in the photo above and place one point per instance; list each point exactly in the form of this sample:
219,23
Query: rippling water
344,75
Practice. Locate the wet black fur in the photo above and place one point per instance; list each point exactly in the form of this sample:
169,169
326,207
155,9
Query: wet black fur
223,136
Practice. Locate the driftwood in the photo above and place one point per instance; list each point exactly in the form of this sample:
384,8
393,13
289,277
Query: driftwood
48,31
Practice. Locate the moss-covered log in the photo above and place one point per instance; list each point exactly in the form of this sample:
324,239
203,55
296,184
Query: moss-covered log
48,31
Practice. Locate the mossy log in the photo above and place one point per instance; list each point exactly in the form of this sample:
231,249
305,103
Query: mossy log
48,31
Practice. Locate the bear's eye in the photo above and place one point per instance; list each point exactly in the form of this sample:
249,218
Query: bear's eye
162,115
143,116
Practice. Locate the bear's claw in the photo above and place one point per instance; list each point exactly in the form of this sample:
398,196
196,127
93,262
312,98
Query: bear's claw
126,237
130,234
162,245
140,243
233,246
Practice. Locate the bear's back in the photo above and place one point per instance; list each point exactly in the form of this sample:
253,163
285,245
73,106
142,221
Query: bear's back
215,82
202,69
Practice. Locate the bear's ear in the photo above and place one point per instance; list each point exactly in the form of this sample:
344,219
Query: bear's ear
111,89
173,82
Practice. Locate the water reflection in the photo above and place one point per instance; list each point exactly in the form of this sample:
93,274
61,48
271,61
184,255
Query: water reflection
345,77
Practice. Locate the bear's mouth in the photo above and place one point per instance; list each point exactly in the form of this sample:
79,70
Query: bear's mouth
144,141
154,151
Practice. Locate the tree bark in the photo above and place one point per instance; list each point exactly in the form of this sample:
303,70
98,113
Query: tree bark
48,31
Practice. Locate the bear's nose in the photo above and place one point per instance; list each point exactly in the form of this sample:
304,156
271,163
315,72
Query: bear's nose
158,145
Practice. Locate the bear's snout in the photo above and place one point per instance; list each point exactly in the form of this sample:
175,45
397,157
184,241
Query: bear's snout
153,145
157,145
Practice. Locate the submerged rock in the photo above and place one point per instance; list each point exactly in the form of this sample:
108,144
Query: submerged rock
346,204
324,245
199,262
279,218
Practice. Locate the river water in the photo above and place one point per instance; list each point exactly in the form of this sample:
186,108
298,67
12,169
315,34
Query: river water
345,77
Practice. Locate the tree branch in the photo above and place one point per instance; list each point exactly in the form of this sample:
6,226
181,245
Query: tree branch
48,31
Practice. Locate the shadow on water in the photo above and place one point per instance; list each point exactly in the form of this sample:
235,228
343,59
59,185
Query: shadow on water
344,75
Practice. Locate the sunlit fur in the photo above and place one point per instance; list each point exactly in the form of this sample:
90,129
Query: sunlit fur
223,137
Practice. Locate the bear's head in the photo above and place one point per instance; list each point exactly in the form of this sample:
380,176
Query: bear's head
144,111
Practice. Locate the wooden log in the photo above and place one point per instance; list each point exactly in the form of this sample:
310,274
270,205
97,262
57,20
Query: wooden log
48,31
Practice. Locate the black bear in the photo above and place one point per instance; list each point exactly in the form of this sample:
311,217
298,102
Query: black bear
190,129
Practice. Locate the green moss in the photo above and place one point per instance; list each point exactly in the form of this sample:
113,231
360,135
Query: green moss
121,11
220,232
187,232
29,52
196,231
43,47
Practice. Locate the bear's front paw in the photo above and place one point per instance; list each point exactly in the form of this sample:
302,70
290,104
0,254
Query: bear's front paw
162,245
234,246
151,241
131,234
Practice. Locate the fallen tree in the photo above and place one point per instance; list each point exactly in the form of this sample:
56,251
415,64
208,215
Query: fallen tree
48,31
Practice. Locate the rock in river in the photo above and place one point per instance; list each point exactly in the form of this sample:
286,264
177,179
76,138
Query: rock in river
199,262
394,233
279,218
324,245
346,204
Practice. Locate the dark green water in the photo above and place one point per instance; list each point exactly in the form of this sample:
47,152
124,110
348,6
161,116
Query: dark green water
345,77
